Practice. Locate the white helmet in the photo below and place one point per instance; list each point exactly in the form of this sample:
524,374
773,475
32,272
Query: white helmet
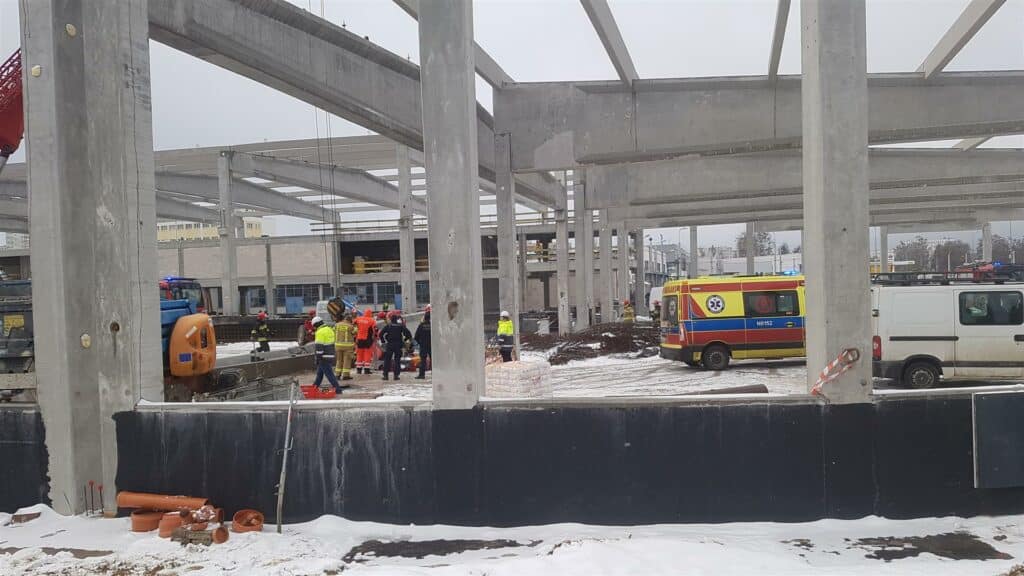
505,314
317,320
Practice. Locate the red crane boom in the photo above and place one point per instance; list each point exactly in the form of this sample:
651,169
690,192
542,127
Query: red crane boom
12,116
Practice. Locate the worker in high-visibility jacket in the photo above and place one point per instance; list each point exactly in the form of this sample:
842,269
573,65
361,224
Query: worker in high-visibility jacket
344,346
628,314
366,334
324,339
506,336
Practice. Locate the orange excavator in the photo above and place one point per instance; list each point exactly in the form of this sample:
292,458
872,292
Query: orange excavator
12,117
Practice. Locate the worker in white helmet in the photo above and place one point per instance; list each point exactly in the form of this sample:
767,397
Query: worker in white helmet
506,336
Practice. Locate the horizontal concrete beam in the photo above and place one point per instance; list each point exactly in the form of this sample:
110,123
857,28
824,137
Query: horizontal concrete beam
912,217
557,125
326,179
758,175
14,225
14,203
245,194
294,51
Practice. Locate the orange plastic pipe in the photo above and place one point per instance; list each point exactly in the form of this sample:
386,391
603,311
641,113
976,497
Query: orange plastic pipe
158,501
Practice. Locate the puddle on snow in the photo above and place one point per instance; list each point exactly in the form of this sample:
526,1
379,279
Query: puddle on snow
422,548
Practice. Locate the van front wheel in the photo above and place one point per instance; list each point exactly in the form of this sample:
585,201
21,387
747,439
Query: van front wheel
921,375
715,357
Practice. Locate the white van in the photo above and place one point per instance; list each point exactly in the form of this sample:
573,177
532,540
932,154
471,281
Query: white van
967,330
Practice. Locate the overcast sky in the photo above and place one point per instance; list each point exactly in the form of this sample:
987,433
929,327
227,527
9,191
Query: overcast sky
198,104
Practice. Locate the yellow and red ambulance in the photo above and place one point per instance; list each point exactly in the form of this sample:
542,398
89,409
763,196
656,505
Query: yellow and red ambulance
708,321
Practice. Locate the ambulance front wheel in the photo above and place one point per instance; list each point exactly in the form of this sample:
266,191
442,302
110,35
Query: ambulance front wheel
715,357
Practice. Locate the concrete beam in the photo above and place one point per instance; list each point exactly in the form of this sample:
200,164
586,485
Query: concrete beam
971,143
450,149
326,179
16,225
244,193
601,18
778,38
584,238
986,242
738,176
486,67
693,266
294,51
557,125
508,270
974,16
406,242
562,269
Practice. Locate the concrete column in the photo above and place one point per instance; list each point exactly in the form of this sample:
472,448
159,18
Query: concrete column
640,287
450,149
505,197
607,273
228,253
406,242
268,285
181,258
334,265
883,248
749,249
584,233
622,292
835,179
986,242
694,264
25,267
521,289
93,226
562,269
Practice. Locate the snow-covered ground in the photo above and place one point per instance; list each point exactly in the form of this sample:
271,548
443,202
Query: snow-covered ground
55,545
243,348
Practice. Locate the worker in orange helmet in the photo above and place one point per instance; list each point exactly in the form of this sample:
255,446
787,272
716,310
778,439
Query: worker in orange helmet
366,335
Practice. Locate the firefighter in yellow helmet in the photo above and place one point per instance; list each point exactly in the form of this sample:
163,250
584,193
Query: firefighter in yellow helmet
345,346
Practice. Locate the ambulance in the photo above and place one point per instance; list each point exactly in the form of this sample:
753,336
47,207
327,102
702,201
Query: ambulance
710,321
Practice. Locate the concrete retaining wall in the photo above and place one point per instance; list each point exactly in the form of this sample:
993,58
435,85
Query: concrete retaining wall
23,459
508,466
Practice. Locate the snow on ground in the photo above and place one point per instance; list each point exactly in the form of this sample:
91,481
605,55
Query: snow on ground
329,545
243,348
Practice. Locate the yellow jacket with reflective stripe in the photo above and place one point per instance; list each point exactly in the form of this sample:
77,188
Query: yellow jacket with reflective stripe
505,328
324,335
344,335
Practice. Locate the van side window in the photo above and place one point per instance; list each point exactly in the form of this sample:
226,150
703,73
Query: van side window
670,308
991,308
782,303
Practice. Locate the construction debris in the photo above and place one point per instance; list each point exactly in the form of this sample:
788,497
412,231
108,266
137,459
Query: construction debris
599,340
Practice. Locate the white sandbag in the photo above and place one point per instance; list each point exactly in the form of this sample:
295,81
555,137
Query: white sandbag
521,379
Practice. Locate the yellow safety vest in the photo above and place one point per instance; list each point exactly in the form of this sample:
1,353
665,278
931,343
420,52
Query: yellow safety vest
505,328
324,335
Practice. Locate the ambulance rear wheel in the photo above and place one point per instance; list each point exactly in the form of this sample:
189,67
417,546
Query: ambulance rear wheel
715,357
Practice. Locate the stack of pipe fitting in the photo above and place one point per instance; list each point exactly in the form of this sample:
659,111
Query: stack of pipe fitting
182,518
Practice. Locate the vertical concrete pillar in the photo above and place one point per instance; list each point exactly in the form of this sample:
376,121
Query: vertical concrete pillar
227,232
693,266
334,265
93,225
25,267
883,248
562,269
749,248
406,242
640,288
181,258
268,285
607,272
521,291
986,242
584,232
505,197
622,263
835,178
450,149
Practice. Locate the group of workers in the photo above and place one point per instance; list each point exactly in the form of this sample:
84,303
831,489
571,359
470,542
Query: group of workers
353,338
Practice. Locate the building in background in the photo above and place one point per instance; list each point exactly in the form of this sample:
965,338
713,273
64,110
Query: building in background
170,231
15,241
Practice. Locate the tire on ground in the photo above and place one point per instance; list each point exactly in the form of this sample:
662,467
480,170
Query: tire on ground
715,357
921,374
